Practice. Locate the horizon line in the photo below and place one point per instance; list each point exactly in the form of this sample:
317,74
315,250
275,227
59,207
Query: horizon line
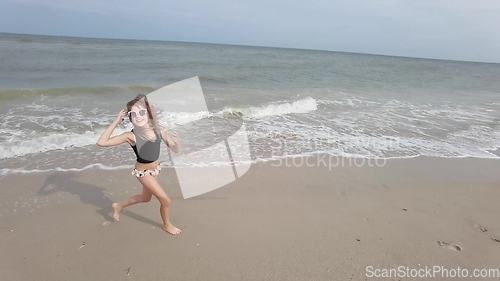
243,45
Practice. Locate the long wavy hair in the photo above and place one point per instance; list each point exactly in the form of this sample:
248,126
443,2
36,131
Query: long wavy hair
152,111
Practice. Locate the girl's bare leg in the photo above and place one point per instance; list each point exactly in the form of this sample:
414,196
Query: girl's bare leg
144,197
151,183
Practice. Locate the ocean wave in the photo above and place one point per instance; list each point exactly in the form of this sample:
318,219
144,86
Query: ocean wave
18,144
278,109
301,106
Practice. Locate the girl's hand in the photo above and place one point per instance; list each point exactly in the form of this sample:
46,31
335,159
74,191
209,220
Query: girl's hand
175,138
171,141
121,116
176,147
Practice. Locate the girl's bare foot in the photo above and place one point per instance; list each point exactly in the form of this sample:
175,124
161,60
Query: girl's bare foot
172,229
117,210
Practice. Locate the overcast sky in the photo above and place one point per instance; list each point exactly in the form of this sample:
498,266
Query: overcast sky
453,29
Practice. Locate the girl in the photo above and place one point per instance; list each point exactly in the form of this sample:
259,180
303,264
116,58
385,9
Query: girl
145,140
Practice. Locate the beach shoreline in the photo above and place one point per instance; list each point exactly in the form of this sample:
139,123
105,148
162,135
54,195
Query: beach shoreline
273,223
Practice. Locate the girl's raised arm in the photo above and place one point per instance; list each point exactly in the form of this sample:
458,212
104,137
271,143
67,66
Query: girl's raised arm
107,140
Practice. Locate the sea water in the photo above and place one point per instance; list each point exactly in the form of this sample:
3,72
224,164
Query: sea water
58,94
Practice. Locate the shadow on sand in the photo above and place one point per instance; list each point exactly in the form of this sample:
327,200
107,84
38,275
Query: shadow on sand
88,194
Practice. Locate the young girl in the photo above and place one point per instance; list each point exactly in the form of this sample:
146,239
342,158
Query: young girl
145,140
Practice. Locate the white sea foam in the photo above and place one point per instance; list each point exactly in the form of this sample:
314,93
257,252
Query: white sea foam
7,171
340,125
301,106
276,109
22,143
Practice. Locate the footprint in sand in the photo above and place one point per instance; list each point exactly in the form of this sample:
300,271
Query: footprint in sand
476,226
480,228
483,230
449,246
106,223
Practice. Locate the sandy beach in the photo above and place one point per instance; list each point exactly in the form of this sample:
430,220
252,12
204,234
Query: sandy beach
301,222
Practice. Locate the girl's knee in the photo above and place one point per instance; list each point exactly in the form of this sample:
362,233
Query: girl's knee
146,199
164,201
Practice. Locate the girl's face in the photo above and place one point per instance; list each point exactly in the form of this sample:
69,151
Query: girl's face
139,115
